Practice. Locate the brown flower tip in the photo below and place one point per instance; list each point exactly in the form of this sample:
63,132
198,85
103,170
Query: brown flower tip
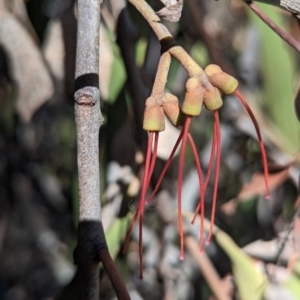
226,83
212,69
154,119
212,99
193,100
172,110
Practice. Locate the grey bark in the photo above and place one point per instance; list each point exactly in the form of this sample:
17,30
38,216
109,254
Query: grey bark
88,117
87,110
91,245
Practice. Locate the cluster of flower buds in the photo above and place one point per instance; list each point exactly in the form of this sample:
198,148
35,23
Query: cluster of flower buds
166,104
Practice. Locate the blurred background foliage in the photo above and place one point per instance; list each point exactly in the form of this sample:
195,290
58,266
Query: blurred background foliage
256,247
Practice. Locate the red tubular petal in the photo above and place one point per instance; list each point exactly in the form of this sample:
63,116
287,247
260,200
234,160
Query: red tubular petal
140,210
261,144
217,173
211,159
200,177
153,158
166,166
180,173
209,169
142,200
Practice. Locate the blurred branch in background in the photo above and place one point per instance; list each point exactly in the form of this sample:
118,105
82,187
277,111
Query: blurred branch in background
18,44
285,36
292,6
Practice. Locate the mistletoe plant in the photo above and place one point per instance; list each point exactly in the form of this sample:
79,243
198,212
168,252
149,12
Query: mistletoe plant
203,88
161,104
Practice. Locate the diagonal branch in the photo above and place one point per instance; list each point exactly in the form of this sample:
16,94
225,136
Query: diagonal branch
169,44
292,6
285,36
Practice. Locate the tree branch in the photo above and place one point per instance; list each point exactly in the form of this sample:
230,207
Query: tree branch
88,116
87,109
292,6
91,246
285,36
168,43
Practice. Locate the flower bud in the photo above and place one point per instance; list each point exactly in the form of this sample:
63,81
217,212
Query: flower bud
226,83
193,100
212,99
154,119
212,69
172,110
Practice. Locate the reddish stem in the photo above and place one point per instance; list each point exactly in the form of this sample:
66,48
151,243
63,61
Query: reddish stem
166,166
260,141
209,169
114,276
153,158
185,130
142,200
285,36
200,177
217,173
140,210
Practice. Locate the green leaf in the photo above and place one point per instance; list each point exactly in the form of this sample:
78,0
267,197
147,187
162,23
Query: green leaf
118,73
141,49
293,281
115,234
117,78
199,54
278,65
250,282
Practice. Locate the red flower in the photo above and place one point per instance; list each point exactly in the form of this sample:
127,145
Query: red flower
167,104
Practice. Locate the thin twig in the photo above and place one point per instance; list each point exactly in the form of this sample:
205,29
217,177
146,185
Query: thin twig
161,77
285,36
286,236
114,275
292,6
166,40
